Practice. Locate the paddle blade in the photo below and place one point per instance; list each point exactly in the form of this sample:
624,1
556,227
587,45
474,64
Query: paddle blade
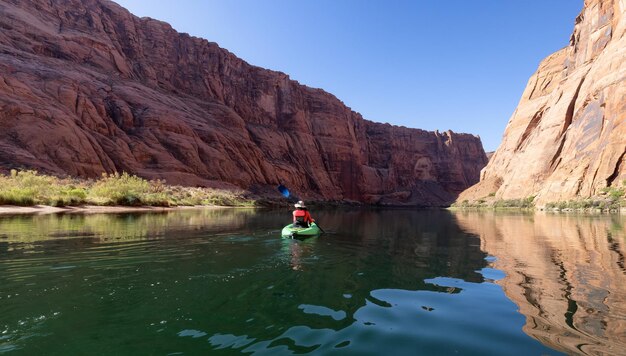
283,190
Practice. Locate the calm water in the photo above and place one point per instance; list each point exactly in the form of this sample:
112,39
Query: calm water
394,282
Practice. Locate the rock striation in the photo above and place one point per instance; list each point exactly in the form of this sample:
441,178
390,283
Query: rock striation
87,88
567,137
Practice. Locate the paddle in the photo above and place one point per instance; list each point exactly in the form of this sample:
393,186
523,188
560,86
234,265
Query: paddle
322,230
285,192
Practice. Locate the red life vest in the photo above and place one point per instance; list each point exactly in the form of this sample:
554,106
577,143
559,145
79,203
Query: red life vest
302,216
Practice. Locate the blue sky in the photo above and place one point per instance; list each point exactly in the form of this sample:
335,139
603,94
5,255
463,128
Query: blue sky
455,64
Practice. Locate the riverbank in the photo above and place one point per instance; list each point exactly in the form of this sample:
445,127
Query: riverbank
609,200
94,209
29,191
590,211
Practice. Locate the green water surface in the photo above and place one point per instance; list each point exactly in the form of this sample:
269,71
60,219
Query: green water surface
380,282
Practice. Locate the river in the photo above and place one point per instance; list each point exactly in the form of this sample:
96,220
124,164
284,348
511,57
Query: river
398,282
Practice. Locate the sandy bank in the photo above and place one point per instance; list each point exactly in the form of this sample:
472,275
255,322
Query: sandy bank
93,209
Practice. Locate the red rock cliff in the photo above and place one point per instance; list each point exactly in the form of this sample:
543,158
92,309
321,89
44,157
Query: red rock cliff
86,88
567,137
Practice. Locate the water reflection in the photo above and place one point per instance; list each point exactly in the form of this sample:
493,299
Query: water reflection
121,226
381,281
405,322
565,273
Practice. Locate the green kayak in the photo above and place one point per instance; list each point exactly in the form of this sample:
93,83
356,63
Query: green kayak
301,232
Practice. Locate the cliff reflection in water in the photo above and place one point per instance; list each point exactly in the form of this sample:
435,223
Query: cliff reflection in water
565,272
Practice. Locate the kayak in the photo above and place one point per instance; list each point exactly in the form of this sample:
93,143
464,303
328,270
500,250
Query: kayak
301,232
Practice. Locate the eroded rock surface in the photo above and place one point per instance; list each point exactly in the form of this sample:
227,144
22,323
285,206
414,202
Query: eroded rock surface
567,137
87,88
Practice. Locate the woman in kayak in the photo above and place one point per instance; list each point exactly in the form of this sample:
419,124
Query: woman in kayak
301,216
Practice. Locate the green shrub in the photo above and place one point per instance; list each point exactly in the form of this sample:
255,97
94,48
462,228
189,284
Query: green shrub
30,188
524,203
158,199
15,196
602,203
26,188
615,194
68,195
119,189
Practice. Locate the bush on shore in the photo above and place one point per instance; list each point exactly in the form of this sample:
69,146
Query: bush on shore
610,199
30,188
525,203
27,188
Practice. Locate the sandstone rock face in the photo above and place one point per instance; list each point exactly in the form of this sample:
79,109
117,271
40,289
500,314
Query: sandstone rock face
567,137
87,88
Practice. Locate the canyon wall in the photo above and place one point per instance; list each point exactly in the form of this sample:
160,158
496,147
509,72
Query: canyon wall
567,137
87,88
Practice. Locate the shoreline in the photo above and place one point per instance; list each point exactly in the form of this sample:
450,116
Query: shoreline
621,211
116,209
96,209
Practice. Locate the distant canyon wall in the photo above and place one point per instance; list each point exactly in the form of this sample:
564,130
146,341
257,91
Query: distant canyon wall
87,88
567,137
